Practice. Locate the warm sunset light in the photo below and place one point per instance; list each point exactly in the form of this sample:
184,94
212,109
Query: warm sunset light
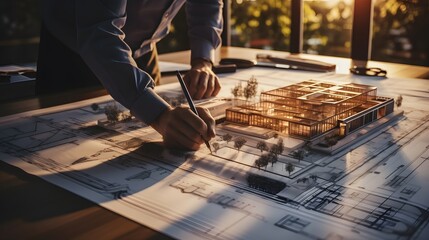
215,119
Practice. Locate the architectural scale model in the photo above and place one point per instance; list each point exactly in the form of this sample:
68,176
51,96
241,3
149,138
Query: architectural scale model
258,183
312,108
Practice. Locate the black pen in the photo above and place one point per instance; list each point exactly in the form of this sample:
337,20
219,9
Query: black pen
190,102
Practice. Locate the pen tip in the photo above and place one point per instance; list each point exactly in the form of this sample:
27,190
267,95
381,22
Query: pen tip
208,146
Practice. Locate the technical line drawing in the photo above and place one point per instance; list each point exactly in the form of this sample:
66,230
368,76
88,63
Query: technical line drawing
259,182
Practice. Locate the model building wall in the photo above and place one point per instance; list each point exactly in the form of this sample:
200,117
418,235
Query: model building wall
311,108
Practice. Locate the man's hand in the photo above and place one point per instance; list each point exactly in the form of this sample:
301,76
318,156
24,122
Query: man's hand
182,129
201,81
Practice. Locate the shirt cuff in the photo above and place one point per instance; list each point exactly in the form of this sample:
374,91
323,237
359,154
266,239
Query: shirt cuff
148,106
203,49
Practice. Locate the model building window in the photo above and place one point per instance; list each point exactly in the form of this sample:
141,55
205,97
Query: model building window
318,108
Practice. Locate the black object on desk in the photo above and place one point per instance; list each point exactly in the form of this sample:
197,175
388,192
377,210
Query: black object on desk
291,63
298,63
17,84
218,69
190,102
368,71
224,68
239,62
6,76
244,63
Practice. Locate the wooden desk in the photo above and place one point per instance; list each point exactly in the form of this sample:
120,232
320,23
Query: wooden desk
394,70
32,208
343,64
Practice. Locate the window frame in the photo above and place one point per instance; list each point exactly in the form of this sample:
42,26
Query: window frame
361,30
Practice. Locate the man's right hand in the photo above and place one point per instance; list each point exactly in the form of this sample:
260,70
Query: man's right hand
183,129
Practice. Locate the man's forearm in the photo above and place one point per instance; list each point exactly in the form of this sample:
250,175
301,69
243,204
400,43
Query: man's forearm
102,47
205,27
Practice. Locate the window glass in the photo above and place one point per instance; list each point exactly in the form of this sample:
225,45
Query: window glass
401,31
263,24
327,27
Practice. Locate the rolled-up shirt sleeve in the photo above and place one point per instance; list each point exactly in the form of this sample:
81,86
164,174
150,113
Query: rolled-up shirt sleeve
100,43
205,23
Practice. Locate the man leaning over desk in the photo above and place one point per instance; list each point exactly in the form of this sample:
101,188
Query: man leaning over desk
84,42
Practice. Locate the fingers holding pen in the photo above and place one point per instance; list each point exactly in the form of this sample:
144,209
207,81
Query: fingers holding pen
191,129
193,125
205,115
182,136
181,128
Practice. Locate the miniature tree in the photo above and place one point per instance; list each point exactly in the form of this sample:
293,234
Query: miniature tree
177,101
262,145
215,146
251,88
262,161
299,154
280,146
248,92
303,180
258,163
181,98
174,102
290,167
112,113
274,149
125,116
237,91
272,158
95,107
399,101
239,142
331,141
265,159
227,137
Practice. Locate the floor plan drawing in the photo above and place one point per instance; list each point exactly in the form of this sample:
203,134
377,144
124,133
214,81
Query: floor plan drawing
258,183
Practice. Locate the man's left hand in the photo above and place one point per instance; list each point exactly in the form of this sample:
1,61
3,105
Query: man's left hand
201,81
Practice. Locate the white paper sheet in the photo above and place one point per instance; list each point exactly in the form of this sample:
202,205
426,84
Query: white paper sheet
374,189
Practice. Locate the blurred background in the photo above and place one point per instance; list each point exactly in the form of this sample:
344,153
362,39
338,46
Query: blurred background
400,29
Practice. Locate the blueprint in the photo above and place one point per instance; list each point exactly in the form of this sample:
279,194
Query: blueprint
374,187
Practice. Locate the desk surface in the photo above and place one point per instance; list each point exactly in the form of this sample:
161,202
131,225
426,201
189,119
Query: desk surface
54,212
394,70
343,64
